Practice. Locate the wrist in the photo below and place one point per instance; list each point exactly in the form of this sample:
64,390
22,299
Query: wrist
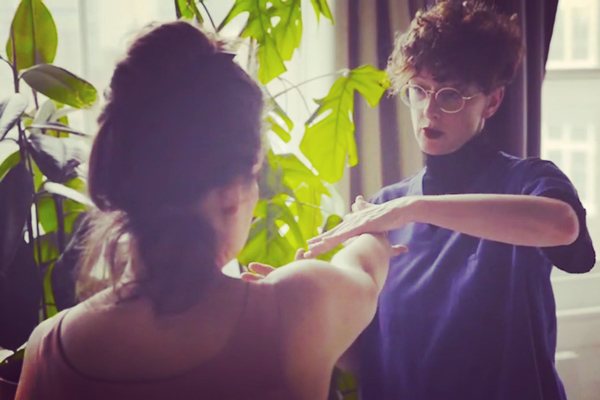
409,209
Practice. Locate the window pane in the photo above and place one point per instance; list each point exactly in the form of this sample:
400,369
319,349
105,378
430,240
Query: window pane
557,45
579,163
579,133
581,34
556,157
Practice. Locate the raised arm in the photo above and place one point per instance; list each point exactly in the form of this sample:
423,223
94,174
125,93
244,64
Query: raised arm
514,219
326,305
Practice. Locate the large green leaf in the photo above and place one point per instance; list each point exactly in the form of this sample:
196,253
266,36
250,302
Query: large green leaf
16,196
280,123
265,243
295,174
35,35
187,9
60,85
288,29
321,7
330,141
276,25
11,109
57,158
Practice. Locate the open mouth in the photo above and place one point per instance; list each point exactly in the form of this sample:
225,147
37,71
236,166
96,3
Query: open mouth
432,133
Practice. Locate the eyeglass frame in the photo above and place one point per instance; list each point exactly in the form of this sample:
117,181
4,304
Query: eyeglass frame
435,94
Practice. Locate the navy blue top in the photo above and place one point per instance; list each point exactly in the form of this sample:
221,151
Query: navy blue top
462,317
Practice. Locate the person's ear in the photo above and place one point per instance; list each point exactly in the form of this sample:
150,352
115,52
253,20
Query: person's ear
494,99
229,198
220,203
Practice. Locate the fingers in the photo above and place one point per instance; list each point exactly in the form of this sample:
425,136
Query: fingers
324,245
360,204
398,249
300,254
250,277
260,268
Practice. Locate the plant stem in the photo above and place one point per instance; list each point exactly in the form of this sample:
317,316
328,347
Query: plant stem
290,88
35,99
14,64
222,24
60,218
208,13
340,72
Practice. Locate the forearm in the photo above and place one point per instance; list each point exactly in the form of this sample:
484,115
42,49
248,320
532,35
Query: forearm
513,219
368,253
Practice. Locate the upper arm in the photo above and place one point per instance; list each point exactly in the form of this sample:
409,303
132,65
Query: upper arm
324,308
543,178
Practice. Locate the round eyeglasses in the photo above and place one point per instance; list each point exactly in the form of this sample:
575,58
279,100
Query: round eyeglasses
448,99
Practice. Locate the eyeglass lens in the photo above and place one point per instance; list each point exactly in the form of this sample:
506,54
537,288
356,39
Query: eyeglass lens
448,99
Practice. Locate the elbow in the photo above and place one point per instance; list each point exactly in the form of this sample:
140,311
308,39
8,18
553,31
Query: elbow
567,225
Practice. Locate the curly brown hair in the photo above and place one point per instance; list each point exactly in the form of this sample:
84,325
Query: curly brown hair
463,41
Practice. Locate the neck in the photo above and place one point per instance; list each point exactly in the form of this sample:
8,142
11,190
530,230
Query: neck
450,173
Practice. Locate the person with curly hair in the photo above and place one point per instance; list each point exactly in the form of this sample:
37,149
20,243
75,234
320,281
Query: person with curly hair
173,177
468,313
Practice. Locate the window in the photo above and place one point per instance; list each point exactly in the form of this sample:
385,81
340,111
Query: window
575,36
571,102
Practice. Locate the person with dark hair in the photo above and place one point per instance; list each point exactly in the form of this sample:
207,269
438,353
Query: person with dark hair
469,312
173,176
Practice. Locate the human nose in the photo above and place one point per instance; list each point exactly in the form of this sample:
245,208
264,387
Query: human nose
431,109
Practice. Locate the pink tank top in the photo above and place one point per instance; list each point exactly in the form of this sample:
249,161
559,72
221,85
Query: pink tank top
248,368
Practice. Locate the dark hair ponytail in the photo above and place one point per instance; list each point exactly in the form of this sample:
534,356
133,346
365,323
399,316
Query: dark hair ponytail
181,119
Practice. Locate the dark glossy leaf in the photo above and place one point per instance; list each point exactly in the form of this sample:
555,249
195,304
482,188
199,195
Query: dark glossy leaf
35,35
60,85
10,372
20,296
329,142
16,196
57,158
11,109
51,309
64,271
54,126
8,163
49,248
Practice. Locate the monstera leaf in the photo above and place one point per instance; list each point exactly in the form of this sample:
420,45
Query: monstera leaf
35,36
328,142
187,9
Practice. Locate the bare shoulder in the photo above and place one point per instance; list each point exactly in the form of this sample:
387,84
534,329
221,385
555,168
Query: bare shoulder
324,308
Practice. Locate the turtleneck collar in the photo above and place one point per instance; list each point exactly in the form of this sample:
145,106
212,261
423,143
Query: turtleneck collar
451,173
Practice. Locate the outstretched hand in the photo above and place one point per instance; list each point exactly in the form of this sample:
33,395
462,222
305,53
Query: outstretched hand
260,270
365,218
